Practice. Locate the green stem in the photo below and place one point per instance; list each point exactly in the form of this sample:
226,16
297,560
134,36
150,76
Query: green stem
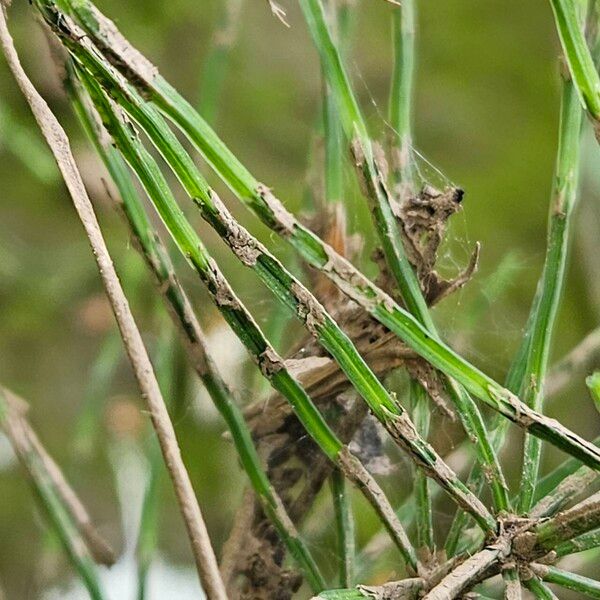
101,375
334,150
552,280
404,25
552,480
539,589
570,581
286,288
344,522
270,210
236,315
148,529
182,313
334,192
563,493
422,495
512,584
385,219
577,54
581,543
401,92
571,523
529,366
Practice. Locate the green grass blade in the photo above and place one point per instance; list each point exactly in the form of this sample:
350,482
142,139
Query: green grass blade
552,280
344,525
401,92
86,433
571,523
553,479
577,54
19,141
286,288
386,222
147,542
334,192
180,308
271,364
358,287
356,132
424,519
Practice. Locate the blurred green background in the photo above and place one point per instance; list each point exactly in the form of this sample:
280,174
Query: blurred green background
486,111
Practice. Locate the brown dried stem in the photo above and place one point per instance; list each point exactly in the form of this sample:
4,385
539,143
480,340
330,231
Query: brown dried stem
136,351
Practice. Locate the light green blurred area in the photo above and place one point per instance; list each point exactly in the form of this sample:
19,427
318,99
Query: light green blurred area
486,112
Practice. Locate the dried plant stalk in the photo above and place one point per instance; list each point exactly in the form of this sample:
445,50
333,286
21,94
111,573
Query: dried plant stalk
59,144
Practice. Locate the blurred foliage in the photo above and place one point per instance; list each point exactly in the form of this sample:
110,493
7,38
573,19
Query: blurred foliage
486,116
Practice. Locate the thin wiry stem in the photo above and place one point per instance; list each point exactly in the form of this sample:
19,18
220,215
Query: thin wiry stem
52,503
356,131
460,458
240,320
550,482
334,154
315,251
180,309
99,549
59,144
551,283
148,528
529,366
